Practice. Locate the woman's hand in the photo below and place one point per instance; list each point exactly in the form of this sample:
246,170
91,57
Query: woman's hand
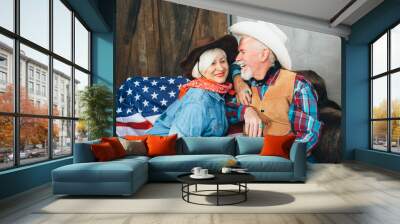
253,125
243,91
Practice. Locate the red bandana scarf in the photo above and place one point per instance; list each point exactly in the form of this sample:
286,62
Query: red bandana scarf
203,83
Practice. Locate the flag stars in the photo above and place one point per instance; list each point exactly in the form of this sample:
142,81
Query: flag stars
154,95
128,79
154,83
122,86
145,78
155,109
163,102
121,99
145,103
136,83
145,89
163,88
172,94
179,86
119,110
128,111
137,97
129,91
171,81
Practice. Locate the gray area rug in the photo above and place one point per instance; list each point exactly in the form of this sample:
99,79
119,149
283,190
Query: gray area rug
166,198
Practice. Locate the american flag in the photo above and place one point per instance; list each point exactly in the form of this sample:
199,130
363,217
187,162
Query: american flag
141,100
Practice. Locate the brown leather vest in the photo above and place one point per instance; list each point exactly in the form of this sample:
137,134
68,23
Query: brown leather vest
273,109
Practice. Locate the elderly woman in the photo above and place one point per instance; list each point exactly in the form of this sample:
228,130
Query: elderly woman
200,107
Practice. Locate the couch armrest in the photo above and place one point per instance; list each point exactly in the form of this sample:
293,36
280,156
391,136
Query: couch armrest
299,158
83,152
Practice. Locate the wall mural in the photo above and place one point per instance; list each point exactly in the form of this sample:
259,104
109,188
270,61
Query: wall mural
166,66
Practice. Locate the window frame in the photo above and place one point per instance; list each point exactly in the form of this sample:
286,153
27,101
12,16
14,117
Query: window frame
388,74
16,114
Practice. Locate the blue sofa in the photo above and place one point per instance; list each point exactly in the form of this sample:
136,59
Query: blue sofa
125,176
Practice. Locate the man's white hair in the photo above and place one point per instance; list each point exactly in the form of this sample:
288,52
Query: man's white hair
258,45
205,61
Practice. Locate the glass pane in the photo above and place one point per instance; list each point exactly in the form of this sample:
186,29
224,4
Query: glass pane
395,136
81,45
62,29
62,141
33,139
395,94
34,97
379,135
6,74
62,89
35,21
81,131
379,97
379,55
81,81
395,47
6,142
7,14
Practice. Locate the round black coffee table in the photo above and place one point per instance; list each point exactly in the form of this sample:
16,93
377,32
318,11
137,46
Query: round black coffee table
238,179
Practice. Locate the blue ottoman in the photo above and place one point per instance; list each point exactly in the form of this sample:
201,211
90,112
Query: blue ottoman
118,177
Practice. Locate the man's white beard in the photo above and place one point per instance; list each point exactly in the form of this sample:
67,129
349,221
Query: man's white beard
246,74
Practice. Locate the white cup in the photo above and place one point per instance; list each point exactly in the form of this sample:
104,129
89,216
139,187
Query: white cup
226,170
203,172
196,171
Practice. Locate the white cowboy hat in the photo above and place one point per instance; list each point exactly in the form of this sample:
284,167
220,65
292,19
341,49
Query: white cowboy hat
268,34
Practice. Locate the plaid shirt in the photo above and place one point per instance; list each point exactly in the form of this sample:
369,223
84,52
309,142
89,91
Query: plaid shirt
303,112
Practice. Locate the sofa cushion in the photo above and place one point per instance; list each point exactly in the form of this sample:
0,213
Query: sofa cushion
206,145
111,171
185,163
161,145
249,145
257,163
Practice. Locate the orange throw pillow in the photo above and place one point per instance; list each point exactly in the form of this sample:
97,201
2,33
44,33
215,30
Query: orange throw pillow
277,145
103,152
136,137
161,145
116,145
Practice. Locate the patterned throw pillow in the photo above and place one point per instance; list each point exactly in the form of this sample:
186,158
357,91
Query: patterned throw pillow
134,147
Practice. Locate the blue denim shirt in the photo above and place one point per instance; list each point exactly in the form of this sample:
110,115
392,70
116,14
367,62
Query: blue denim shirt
199,113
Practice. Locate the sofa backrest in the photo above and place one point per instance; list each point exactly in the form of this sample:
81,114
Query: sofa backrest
206,145
248,145
83,152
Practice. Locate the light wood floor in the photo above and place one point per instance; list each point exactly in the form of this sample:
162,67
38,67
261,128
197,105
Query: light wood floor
377,188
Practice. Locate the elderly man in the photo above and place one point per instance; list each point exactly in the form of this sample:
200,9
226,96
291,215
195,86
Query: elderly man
278,102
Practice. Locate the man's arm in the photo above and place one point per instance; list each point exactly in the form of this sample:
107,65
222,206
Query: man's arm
303,114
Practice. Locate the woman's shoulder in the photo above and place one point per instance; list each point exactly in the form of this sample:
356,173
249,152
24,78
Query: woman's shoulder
196,94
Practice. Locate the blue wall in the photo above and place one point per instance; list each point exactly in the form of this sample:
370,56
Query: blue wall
356,83
24,178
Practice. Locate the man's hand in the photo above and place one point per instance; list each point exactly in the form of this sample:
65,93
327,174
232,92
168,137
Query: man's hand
253,125
243,91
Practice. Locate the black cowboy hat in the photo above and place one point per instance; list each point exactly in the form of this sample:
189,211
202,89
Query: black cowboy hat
228,43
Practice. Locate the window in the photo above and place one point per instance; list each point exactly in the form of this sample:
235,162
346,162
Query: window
44,91
385,95
7,14
30,87
30,72
54,126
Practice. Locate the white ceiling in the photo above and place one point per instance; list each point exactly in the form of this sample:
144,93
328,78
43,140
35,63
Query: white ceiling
314,15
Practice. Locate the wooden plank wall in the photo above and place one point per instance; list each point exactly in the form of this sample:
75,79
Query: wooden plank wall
153,36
